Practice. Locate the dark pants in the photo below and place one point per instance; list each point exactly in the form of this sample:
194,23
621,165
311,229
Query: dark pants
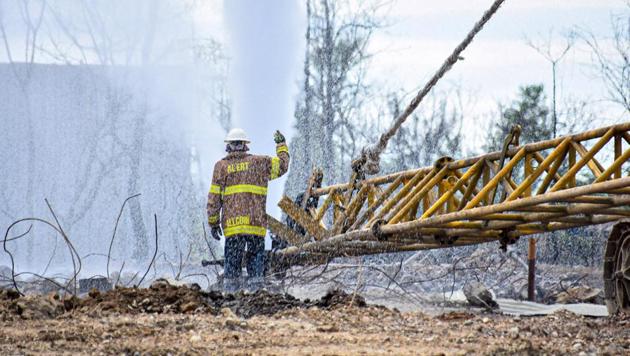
235,250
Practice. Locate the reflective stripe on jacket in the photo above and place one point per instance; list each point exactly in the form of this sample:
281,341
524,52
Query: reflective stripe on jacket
238,194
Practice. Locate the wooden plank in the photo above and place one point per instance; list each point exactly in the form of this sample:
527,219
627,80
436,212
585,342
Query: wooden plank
284,232
325,206
302,217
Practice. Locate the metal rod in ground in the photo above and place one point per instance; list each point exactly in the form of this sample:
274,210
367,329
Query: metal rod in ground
531,273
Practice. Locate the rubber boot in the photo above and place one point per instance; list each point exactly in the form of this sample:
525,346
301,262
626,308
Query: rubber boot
231,285
255,284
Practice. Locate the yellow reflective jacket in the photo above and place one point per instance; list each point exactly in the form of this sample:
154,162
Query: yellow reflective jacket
238,195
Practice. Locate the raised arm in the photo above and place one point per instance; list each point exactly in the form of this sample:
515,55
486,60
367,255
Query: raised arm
280,163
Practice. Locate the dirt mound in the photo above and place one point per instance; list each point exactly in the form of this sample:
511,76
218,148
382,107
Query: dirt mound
338,298
259,303
161,298
265,303
29,307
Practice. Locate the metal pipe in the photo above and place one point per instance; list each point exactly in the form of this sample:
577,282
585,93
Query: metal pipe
495,180
507,206
459,164
614,167
457,186
372,208
541,167
391,203
442,221
584,160
414,197
531,271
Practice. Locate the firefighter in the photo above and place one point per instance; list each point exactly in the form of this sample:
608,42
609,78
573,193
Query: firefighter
236,204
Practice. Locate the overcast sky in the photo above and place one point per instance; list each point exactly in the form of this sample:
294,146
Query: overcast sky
422,35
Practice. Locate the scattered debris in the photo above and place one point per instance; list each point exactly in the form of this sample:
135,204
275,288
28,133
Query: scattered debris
336,297
581,294
347,330
29,307
479,296
162,297
455,315
260,303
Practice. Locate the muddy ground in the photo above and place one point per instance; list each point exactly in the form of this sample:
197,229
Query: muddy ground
166,319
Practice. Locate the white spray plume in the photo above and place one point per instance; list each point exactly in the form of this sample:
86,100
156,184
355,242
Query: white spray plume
265,42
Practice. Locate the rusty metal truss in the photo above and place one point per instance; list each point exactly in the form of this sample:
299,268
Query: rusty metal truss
558,184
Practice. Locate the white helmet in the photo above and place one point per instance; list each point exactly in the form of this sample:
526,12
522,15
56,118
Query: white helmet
236,135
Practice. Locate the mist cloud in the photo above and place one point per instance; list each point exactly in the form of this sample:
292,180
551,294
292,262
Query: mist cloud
265,42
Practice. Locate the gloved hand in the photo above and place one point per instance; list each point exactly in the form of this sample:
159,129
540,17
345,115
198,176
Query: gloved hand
278,137
215,231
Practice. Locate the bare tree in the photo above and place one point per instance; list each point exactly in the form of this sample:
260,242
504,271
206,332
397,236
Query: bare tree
612,62
337,36
91,33
433,132
303,113
90,37
98,42
31,14
545,48
210,52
